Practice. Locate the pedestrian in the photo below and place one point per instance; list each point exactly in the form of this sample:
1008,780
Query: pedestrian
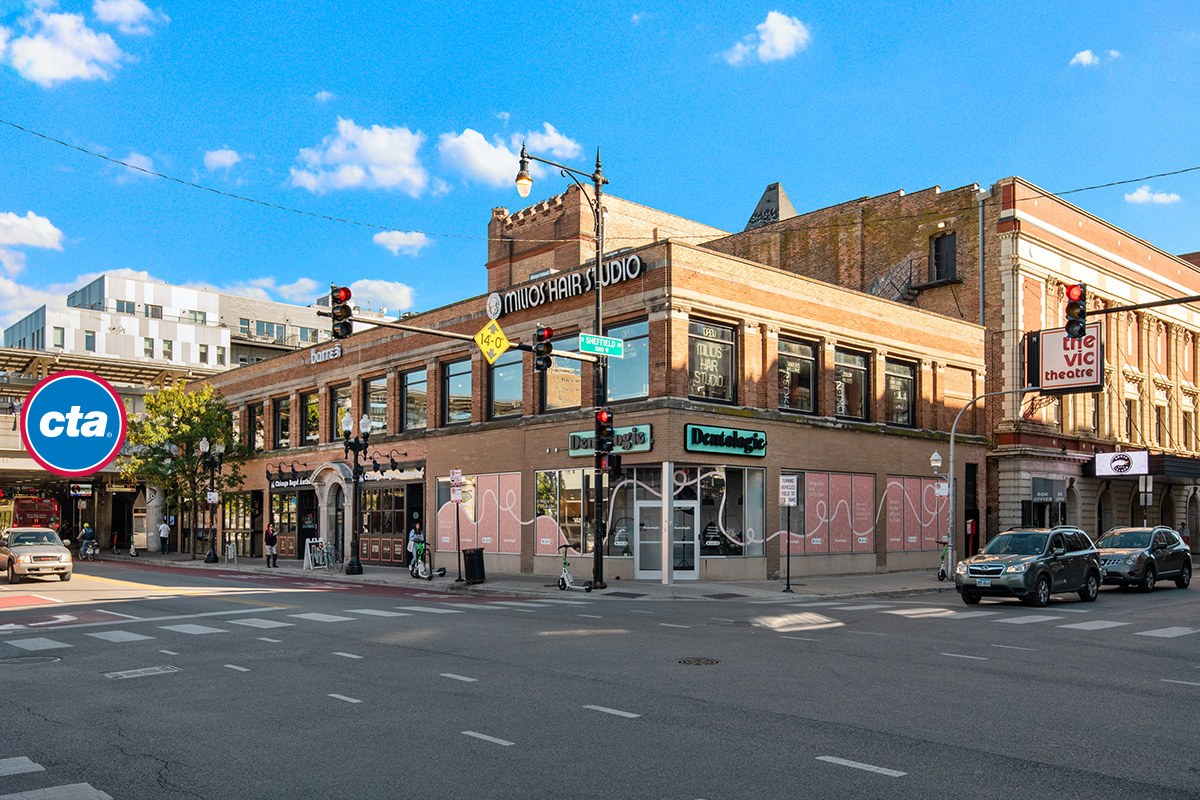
16,410
272,552
1183,534
414,536
164,536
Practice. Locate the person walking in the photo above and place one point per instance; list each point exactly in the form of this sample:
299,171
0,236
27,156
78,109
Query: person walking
164,536
414,536
271,540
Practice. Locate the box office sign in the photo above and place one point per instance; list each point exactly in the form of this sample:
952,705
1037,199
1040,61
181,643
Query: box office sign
634,439
729,441
1120,465
1048,490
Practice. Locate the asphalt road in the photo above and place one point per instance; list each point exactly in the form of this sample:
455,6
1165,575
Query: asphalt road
141,682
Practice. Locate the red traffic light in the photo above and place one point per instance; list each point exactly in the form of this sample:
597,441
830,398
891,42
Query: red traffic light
339,294
1075,292
603,416
544,334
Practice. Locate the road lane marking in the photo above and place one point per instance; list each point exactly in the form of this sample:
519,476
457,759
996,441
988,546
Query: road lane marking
431,609
615,712
1013,647
891,773
669,625
1167,633
815,604
973,614
119,636
514,604
639,611
194,630
166,618
867,633
140,673
922,613
1185,683
67,791
715,619
36,644
592,616
344,698
959,655
169,652
18,765
315,617
872,607
487,738
346,655
1026,619
375,612
800,638
462,678
116,613
236,667
255,622
272,641
1093,625
568,602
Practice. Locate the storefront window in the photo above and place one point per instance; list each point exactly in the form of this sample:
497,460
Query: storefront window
565,496
416,400
311,403
797,366
258,436
900,396
562,383
339,405
850,384
237,520
283,425
375,403
383,511
629,376
456,392
711,360
506,388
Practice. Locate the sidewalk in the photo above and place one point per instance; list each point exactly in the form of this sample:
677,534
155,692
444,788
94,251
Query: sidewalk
804,588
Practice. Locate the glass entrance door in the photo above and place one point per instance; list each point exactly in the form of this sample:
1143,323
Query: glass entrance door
649,539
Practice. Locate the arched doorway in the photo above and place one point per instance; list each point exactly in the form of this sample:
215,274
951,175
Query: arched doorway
1193,522
339,517
1166,509
1137,512
1106,514
1073,507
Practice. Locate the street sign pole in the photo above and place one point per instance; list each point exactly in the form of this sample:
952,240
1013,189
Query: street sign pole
788,494
456,499
788,588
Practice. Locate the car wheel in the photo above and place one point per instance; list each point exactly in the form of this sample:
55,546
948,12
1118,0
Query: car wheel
1148,579
13,577
1041,592
64,576
970,598
1185,576
1091,588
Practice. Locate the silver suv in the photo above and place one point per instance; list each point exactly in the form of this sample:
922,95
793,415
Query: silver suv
1031,564
1140,556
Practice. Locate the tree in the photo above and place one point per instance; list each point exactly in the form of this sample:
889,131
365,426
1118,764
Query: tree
162,445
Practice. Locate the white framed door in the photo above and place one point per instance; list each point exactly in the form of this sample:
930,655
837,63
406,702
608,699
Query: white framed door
648,541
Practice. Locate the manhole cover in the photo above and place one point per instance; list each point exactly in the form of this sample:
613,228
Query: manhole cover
623,594
698,662
19,660
725,596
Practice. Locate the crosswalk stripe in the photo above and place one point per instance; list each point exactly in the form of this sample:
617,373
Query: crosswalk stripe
375,612
70,791
1026,620
1093,625
974,614
119,636
568,602
514,604
194,630
431,609
1167,633
36,644
314,617
18,765
255,622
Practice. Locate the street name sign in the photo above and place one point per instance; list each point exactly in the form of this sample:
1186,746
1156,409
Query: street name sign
601,345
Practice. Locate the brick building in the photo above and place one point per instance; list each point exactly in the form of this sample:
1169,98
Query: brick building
1003,257
734,375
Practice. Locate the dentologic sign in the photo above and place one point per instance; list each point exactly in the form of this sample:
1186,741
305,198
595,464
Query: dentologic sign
560,287
635,439
732,441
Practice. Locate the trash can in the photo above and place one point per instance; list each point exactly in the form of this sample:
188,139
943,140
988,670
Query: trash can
473,565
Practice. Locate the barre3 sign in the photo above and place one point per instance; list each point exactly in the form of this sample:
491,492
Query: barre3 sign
73,423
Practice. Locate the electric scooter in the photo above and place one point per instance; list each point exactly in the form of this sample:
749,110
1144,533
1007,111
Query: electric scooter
566,581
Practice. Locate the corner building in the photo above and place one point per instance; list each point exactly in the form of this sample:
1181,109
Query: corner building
734,375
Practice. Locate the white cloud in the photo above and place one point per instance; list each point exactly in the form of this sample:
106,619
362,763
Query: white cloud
1144,195
778,37
137,166
13,261
29,230
1114,54
60,47
396,297
410,242
376,158
473,156
220,159
303,291
551,141
503,116
636,19
130,16
1085,58
324,96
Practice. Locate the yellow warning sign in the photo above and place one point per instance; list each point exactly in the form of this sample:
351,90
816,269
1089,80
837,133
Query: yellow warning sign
492,341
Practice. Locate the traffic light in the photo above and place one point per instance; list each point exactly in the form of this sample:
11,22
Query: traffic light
542,347
1077,310
340,311
610,463
604,431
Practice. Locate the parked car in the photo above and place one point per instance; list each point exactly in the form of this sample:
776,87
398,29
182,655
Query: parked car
33,552
1031,564
1141,556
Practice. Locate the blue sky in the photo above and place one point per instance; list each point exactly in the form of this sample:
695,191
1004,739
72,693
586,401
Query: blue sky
408,117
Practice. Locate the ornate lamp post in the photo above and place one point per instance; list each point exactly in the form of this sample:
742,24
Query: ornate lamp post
600,373
213,462
356,445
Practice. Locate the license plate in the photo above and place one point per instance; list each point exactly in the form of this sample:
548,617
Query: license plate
983,582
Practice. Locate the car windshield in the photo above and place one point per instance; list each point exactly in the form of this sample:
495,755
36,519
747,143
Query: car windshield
34,537
1124,539
1016,544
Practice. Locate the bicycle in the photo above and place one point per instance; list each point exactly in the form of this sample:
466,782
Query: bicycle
566,580
944,569
327,555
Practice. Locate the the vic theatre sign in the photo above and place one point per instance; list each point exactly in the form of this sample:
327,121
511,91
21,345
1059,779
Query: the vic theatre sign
560,287
1071,365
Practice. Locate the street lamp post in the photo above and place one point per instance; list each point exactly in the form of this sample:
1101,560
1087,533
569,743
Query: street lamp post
356,445
600,366
213,462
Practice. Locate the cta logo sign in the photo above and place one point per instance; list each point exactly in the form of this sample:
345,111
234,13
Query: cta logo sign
73,423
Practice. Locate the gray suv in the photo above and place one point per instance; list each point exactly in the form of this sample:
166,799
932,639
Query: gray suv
1031,564
1140,556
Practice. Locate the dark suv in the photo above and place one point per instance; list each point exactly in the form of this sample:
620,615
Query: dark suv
1031,564
1141,556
